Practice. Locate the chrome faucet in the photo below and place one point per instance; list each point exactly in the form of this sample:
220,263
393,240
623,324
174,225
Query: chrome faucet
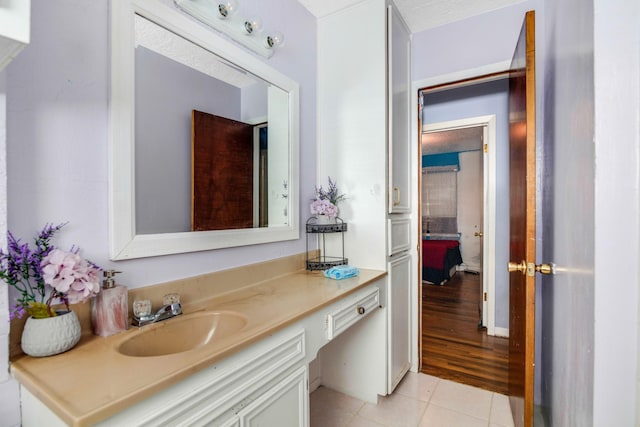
167,311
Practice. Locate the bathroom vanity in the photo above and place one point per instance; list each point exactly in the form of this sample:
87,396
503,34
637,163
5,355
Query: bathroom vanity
257,374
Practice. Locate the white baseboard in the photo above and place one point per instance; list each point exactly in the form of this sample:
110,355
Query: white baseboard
314,383
501,332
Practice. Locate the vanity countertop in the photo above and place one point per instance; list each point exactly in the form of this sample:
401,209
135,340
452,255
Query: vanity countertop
93,381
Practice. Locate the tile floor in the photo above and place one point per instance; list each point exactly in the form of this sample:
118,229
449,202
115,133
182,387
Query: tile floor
419,401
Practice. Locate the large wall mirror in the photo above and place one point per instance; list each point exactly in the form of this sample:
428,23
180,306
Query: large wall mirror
204,138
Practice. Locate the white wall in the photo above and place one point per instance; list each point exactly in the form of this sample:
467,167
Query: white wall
470,191
616,76
591,206
352,127
57,121
9,409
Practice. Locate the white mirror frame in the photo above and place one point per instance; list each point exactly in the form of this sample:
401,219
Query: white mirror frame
124,242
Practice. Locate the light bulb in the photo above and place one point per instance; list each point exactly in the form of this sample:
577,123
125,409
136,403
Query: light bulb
227,8
253,25
275,39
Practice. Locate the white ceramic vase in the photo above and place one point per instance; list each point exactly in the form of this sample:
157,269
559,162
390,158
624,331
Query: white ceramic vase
52,335
325,219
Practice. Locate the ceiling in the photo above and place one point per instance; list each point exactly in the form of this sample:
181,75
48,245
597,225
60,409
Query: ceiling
170,45
463,139
419,15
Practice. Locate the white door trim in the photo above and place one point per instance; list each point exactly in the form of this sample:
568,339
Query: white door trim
488,123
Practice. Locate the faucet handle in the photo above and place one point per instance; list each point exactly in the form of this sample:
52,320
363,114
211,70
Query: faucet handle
141,308
171,298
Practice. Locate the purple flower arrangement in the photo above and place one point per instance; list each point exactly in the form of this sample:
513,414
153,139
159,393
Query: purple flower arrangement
44,275
326,201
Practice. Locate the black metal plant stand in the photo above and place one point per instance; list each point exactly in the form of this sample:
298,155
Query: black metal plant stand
322,261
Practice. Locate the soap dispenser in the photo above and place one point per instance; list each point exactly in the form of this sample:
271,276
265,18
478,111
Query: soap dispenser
109,308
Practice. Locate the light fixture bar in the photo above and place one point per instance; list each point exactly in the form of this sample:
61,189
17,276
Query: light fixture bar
209,13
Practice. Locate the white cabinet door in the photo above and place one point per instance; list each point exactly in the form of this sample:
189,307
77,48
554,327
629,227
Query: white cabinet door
283,405
399,236
399,85
399,325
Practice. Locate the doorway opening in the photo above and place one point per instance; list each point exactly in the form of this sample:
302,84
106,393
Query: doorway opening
463,213
459,316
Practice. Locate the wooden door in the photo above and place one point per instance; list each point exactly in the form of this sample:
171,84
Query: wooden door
222,173
522,245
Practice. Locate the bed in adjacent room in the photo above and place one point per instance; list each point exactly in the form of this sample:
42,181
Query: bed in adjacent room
439,260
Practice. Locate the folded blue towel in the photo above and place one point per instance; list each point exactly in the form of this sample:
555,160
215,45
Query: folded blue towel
341,272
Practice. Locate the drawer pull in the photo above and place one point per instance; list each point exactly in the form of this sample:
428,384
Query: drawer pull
361,310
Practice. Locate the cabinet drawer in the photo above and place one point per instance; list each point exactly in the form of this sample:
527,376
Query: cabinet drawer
354,310
399,236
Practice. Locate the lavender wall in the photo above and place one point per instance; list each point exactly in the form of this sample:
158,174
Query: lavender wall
468,44
567,312
57,123
166,92
591,205
482,44
473,101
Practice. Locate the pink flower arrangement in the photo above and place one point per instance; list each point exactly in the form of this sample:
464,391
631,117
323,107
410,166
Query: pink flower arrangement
324,207
70,275
326,201
42,275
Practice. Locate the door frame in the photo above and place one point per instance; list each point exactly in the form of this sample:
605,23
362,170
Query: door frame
488,124
472,75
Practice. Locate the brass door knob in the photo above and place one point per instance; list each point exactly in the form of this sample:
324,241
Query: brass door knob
478,234
531,268
546,268
517,266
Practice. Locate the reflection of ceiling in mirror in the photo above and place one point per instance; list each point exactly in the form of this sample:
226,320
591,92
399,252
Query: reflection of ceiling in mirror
170,45
464,139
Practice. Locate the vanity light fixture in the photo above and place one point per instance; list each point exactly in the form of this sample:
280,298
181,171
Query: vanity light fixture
222,16
253,26
227,9
275,39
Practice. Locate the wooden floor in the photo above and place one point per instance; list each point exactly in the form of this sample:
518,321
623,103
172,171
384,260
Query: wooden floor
452,345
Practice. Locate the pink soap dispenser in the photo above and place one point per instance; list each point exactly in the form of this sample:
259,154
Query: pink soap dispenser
109,308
